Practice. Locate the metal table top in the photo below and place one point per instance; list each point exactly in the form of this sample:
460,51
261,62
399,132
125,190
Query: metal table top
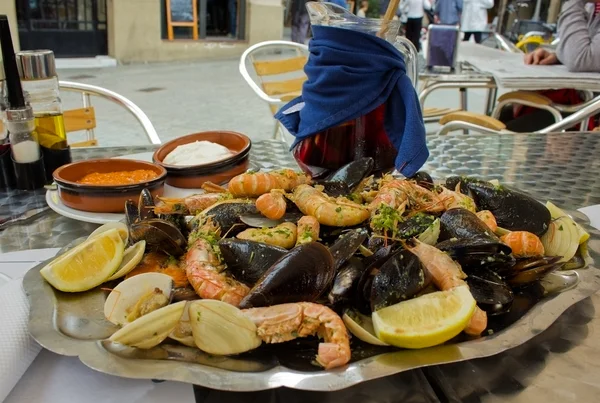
559,365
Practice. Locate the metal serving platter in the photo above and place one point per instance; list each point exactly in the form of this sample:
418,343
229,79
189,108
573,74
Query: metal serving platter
74,325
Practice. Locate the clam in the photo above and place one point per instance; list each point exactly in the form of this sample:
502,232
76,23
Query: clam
221,329
361,326
150,330
137,296
302,274
183,330
131,258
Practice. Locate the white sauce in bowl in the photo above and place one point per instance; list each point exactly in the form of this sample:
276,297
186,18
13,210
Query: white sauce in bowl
197,153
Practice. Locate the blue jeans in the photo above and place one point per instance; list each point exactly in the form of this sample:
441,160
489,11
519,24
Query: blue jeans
232,8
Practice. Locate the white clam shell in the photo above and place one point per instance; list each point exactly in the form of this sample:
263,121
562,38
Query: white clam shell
124,296
363,330
151,329
183,330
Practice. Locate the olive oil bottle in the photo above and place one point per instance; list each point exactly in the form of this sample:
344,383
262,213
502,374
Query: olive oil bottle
50,129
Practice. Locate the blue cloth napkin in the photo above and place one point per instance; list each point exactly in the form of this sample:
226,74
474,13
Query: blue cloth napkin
350,74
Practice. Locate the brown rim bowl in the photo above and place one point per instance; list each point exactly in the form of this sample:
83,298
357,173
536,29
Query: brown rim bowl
103,198
221,171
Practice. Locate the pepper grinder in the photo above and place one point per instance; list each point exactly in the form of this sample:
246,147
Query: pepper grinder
37,71
26,155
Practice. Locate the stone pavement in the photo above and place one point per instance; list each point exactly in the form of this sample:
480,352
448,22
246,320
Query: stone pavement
187,97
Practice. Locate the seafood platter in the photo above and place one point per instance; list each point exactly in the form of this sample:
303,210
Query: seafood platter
278,279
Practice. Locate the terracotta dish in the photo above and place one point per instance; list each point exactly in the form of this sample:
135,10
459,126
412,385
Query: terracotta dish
221,171
104,198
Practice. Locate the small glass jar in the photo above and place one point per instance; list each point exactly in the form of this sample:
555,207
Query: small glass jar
23,142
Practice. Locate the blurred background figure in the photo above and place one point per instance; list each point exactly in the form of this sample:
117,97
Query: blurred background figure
448,12
414,11
474,18
363,8
300,21
341,3
232,9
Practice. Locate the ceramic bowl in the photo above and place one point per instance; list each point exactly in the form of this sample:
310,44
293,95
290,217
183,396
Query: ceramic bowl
221,171
103,198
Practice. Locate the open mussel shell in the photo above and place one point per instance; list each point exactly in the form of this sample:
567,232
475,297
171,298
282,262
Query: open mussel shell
401,277
347,245
246,260
512,209
352,173
346,280
302,274
146,205
362,294
527,271
227,213
159,235
490,291
464,224
150,330
423,179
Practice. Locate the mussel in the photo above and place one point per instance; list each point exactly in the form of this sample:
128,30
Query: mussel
401,277
463,224
346,245
302,274
490,291
423,179
411,227
362,293
227,213
247,260
344,180
513,210
529,270
345,281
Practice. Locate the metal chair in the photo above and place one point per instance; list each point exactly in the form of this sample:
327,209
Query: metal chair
487,124
85,118
277,73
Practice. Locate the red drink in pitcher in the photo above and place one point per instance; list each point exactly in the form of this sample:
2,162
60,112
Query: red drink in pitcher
330,149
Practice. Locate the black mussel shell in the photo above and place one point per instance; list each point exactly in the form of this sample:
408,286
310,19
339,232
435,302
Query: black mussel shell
346,245
362,293
302,274
159,236
464,224
513,209
401,277
352,173
423,179
527,271
246,260
409,228
490,291
227,213
451,183
131,213
346,280
475,254
335,189
146,205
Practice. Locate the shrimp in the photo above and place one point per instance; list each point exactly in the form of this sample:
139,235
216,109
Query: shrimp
258,183
396,192
205,271
190,205
283,235
160,263
447,274
523,244
308,230
339,212
272,205
280,323
452,199
488,218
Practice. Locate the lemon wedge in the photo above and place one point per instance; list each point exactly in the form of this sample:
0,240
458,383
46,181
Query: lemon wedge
425,321
131,258
87,265
556,212
123,230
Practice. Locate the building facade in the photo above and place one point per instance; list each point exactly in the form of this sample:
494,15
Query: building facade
138,30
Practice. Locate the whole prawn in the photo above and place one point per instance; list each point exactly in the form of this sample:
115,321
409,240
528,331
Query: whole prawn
398,192
205,272
447,274
339,212
280,323
256,184
190,205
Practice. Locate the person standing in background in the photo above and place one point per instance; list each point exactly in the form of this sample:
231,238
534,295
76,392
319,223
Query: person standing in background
364,7
232,9
414,10
300,21
448,12
475,18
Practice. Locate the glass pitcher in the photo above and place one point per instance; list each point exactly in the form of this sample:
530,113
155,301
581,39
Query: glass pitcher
365,136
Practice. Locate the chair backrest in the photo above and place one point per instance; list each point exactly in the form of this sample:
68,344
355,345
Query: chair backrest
275,70
85,118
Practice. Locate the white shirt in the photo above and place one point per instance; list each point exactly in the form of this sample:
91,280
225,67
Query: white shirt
414,8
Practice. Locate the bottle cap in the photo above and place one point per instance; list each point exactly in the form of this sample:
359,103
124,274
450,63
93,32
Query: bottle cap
36,64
